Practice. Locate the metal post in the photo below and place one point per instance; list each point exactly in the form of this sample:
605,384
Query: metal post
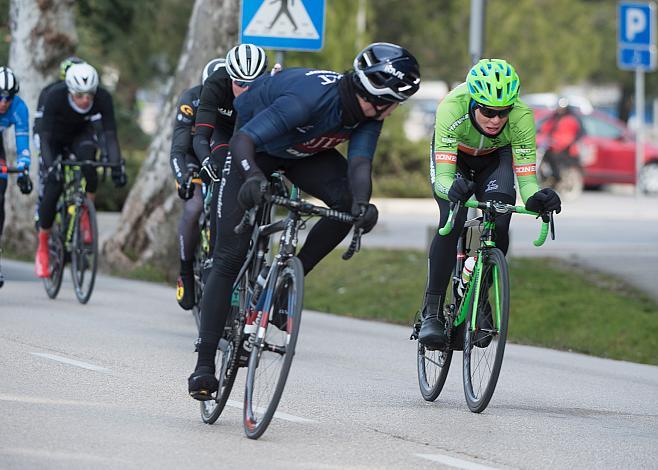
278,58
476,34
360,24
639,119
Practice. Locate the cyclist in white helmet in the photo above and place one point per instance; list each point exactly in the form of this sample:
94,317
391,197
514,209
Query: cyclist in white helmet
78,117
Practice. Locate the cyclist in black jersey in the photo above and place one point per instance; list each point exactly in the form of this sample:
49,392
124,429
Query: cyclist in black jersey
36,127
293,121
78,117
214,120
184,165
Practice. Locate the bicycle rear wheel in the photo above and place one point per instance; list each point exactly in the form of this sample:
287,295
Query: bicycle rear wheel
84,256
273,351
484,342
56,255
433,367
226,365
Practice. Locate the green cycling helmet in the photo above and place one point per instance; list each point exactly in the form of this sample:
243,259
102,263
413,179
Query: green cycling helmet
493,82
66,63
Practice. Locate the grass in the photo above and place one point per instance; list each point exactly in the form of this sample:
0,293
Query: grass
553,303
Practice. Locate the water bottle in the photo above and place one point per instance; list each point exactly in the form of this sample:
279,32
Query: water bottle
467,272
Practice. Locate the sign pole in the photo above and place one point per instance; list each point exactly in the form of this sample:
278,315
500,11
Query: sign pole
639,119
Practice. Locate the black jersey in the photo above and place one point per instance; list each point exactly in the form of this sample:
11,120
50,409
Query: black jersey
40,103
215,111
184,129
61,123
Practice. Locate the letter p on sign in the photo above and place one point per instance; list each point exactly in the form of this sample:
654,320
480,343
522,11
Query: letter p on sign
636,22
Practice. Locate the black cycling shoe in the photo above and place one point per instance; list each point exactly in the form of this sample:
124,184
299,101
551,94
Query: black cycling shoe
202,384
185,291
484,333
432,332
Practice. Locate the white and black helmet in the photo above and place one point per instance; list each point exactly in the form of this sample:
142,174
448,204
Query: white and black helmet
82,78
246,62
211,67
8,82
386,72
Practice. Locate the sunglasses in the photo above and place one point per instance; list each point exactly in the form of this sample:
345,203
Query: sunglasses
83,95
492,113
5,98
241,84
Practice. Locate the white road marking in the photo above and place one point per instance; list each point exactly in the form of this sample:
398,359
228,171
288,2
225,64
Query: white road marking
59,455
71,362
277,414
454,462
50,401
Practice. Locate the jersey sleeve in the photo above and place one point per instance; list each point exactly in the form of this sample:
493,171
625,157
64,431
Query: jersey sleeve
443,163
22,131
524,153
182,135
363,140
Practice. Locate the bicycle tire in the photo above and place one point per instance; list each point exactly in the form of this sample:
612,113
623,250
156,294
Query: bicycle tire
431,383
483,351
84,256
56,253
258,412
226,365
197,268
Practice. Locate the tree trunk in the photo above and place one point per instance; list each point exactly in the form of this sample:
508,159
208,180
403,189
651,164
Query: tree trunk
148,226
42,33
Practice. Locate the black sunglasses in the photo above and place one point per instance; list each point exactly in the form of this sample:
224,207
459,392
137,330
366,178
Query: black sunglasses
492,113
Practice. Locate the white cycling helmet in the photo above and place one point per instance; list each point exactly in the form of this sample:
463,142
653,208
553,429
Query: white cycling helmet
82,78
246,62
8,82
211,67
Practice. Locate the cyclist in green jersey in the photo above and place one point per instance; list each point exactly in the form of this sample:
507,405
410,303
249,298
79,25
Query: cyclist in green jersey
483,136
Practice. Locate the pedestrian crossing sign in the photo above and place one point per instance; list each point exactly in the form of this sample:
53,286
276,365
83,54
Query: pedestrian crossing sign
283,24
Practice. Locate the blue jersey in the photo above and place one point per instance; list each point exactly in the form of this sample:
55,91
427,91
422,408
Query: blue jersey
297,113
17,116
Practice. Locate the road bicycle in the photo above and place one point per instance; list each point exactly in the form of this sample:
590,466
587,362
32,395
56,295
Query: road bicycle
66,242
7,170
476,311
263,326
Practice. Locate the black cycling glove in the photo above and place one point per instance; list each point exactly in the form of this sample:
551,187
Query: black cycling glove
366,216
461,190
24,183
209,170
544,200
252,191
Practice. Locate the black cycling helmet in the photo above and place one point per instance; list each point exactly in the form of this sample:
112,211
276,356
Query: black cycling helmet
8,82
386,73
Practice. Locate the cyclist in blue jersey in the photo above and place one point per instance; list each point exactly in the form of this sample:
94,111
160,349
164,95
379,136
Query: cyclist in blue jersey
292,121
13,112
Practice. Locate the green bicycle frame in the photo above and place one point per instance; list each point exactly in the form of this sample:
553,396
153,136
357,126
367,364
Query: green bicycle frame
473,290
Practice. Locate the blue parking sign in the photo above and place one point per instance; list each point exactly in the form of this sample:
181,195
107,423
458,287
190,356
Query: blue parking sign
283,24
636,36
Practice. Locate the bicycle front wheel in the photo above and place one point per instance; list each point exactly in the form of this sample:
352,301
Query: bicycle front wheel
84,252
273,350
56,254
484,338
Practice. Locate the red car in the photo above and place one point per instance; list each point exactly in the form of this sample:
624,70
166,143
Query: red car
606,153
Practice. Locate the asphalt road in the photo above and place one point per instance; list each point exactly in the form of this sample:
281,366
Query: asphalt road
103,385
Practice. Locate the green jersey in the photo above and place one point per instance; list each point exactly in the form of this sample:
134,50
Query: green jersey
454,131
